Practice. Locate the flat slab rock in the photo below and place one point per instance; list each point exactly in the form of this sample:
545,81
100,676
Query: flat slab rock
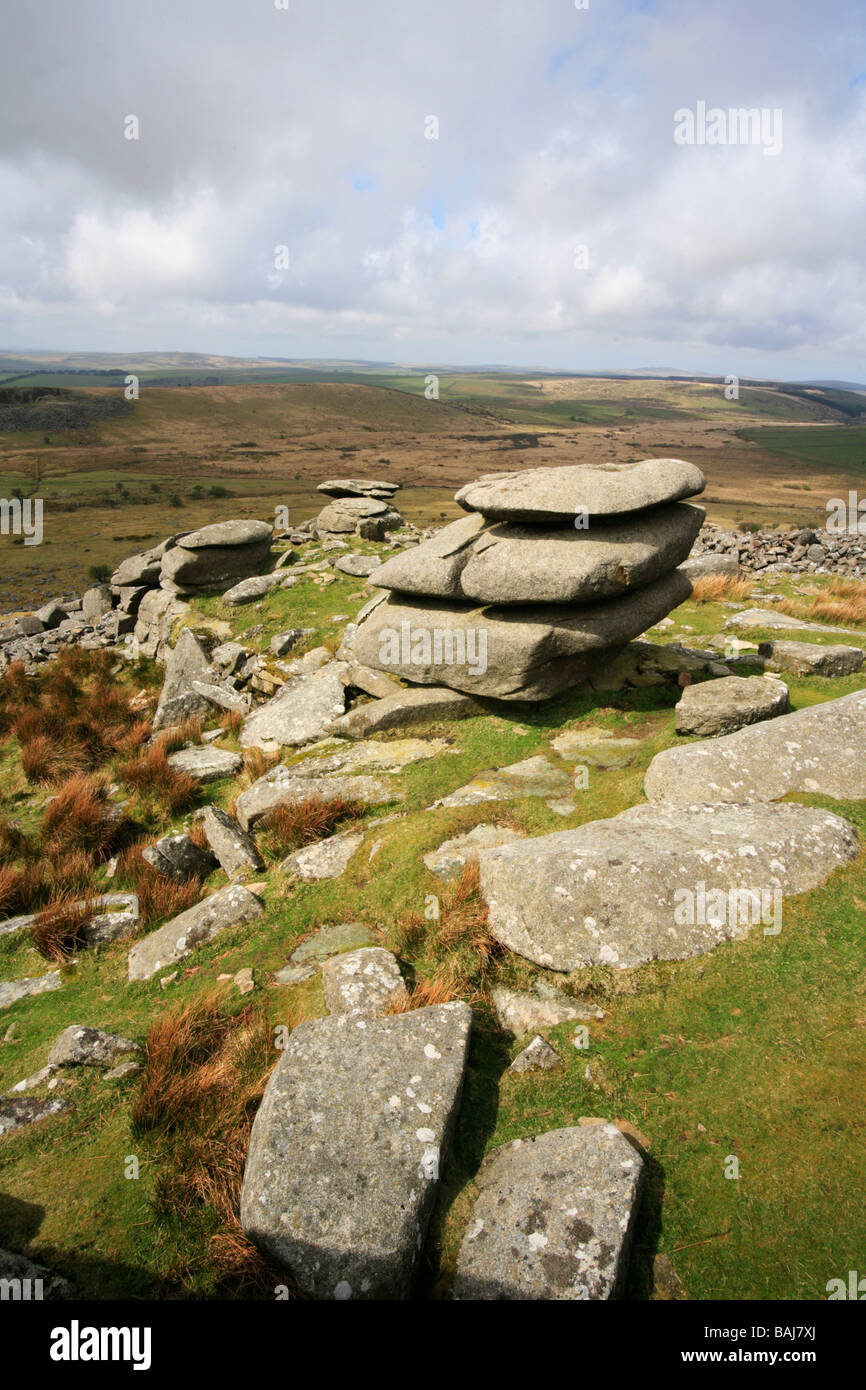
725,705
15,1114
347,1147
332,939
520,652
281,784
820,749
13,990
404,707
507,564
554,1220
617,892
325,858
450,859
811,659
195,927
232,846
300,711
535,776
767,618
77,1046
606,489
362,983
206,764
520,1011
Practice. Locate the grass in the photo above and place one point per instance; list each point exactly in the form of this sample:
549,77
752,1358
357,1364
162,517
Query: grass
294,824
714,588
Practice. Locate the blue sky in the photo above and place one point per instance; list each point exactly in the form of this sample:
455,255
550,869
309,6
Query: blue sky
308,128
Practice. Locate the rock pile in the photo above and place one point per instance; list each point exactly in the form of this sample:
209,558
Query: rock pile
805,551
553,572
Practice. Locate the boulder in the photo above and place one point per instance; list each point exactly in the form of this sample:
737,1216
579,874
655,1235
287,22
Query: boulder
281,784
117,917
343,516
372,682
89,1047
358,487
233,847
394,711
536,1056
656,882
505,564
300,712
710,563
15,1114
452,856
554,1220
362,983
811,659
598,490
248,590
96,602
347,1146
215,556
359,566
519,1011
138,570
187,661
13,990
820,749
180,858
206,764
195,927
326,858
722,706
511,653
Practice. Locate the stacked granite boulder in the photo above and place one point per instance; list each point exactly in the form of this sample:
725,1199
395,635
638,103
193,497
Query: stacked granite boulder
552,573
361,506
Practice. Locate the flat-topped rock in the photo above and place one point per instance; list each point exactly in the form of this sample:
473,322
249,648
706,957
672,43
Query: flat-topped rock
505,564
13,990
206,763
326,858
645,884
180,858
362,983
347,1148
358,487
598,490
280,784
404,707
359,566
811,659
710,563
343,516
521,1011
248,590
228,534
510,653
450,859
725,705
77,1046
195,927
535,776
383,755
554,1220
301,710
819,749
231,845
331,940
215,556
16,1114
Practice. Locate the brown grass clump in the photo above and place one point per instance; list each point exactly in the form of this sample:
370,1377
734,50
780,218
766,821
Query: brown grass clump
294,824
78,818
58,931
421,996
177,737
231,720
453,953
256,764
712,588
159,898
151,775
842,601
15,692
204,1075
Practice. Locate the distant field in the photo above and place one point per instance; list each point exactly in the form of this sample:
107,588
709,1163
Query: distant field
185,456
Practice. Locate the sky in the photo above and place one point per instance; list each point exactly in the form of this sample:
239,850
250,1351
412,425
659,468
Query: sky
472,181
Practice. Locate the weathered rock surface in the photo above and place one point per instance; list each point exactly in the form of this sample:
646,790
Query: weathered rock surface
360,566
346,1149
326,858
554,1220
187,661
536,1056
503,564
601,490
750,618
403,708
13,990
232,846
701,566
206,763
723,706
331,940
89,1047
344,515
15,1114
362,983
622,891
811,659
358,487
281,784
301,710
179,858
216,555
37,1282
511,653
819,749
535,776
248,590
195,927
520,1011
452,856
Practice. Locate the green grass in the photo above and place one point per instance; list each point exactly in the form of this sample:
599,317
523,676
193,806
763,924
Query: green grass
838,448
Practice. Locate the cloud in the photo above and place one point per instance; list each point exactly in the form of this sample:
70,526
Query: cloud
306,128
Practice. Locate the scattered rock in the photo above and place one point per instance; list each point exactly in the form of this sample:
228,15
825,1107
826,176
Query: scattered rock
520,1012
300,712
281,784
233,847
89,1047
325,858
535,776
538,1056
722,706
811,659
361,982
331,940
15,1114
402,708
195,927
13,990
450,859
179,858
206,764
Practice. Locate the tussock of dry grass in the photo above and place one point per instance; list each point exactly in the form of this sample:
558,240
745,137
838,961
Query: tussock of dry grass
455,952
712,588
842,602
159,898
189,731
58,931
204,1074
294,824
152,776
